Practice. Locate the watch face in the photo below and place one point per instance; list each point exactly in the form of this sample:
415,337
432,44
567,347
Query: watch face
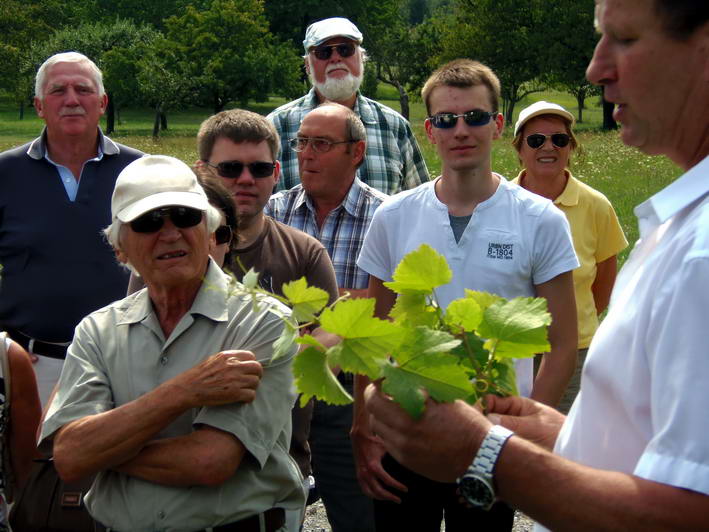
477,491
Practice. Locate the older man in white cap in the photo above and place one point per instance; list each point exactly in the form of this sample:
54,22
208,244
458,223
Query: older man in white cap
334,61
170,394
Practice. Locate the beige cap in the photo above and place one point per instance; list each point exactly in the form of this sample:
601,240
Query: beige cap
323,30
542,108
152,182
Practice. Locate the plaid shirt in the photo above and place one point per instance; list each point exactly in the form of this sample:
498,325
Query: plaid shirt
343,230
393,161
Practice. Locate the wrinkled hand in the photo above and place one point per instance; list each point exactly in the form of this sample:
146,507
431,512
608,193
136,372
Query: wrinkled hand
529,419
440,445
227,377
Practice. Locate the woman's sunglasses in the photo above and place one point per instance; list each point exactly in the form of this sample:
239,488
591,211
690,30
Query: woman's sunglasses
223,235
152,221
537,140
344,49
472,118
233,169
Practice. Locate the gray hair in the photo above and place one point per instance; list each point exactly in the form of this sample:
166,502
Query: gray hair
67,57
112,233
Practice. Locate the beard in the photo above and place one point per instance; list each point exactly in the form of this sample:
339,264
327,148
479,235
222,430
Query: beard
338,89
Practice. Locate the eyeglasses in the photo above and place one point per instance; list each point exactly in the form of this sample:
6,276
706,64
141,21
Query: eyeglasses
345,49
223,235
152,221
537,140
233,169
472,118
319,145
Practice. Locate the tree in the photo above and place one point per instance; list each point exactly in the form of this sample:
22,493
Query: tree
508,35
229,54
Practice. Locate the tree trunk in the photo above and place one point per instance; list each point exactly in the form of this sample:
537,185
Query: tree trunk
22,110
608,121
580,99
510,111
110,117
403,100
163,120
218,104
156,122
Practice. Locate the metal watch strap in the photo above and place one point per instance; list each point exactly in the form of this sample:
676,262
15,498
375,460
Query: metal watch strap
489,451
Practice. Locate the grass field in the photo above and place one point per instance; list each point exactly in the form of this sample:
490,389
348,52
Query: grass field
623,174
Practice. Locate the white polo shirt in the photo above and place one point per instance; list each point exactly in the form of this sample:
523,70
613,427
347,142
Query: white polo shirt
514,241
644,394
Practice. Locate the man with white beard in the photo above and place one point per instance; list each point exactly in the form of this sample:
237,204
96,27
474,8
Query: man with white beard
334,61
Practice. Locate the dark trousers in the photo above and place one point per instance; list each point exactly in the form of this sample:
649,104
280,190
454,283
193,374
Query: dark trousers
348,508
427,502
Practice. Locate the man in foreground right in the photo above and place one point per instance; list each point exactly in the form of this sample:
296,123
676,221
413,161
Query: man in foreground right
633,454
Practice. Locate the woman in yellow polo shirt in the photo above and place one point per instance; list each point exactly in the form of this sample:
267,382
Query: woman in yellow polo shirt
544,140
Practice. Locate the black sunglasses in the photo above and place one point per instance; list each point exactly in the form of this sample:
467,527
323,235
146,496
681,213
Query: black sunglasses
152,221
345,49
233,169
223,235
472,118
537,140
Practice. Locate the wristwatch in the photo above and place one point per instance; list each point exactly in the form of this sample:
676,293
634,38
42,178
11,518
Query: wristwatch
476,485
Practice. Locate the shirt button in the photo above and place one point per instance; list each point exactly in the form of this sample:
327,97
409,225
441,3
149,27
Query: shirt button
163,360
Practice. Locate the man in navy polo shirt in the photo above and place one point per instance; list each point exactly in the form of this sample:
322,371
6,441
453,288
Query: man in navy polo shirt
55,197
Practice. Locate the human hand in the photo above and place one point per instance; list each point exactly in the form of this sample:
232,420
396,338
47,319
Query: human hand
226,377
440,445
529,419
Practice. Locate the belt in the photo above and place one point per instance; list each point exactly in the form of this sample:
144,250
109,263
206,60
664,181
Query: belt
39,347
273,519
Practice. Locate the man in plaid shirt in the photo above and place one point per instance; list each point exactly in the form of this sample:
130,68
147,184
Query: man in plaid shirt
335,207
334,61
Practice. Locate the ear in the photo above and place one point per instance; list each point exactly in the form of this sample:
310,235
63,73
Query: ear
307,64
104,103
429,130
276,172
499,126
121,256
359,150
38,107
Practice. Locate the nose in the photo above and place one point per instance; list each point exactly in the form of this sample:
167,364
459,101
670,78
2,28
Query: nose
601,69
169,232
246,178
461,129
72,97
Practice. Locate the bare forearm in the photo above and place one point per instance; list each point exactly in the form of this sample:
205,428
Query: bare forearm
102,441
603,283
191,460
564,495
554,374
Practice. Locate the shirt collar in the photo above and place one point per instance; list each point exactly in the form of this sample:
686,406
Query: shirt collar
570,195
691,186
38,147
361,107
210,301
353,200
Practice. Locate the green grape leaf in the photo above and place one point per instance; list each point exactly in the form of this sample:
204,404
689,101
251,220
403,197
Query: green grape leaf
313,378
483,299
516,328
424,341
366,340
421,270
411,309
465,313
286,340
472,345
438,374
306,301
504,377
250,279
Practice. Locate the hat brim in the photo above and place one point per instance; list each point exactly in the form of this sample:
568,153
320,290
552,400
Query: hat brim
350,37
555,112
163,199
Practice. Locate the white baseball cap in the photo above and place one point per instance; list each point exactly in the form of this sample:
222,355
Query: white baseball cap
323,30
152,182
542,108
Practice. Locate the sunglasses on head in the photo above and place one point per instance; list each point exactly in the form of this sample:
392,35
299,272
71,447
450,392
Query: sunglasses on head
233,169
152,221
223,235
472,118
324,52
537,140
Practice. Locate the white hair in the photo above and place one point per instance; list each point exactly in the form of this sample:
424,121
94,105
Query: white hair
341,88
67,57
112,233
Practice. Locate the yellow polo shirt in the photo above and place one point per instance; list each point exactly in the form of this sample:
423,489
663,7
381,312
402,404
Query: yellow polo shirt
597,236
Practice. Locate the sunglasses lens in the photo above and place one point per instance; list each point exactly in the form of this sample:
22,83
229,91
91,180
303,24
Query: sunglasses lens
477,117
444,120
323,53
536,140
560,140
345,49
223,234
184,217
148,222
230,169
261,169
